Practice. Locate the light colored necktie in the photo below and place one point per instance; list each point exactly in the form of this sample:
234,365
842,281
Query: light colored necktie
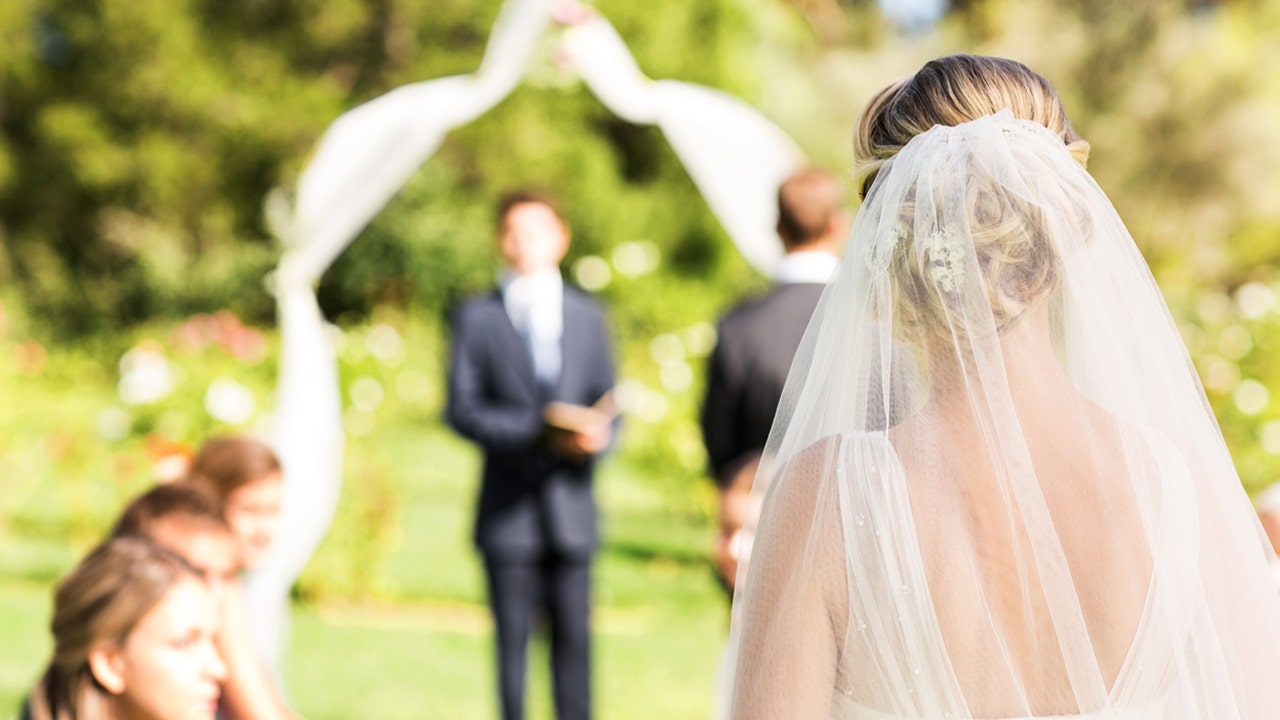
538,327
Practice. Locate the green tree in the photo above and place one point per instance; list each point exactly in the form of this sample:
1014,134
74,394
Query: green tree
138,140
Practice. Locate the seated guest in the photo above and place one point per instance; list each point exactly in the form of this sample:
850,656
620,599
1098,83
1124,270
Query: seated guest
189,520
133,635
245,474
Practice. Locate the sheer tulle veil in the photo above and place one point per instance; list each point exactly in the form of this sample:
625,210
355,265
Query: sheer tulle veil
994,488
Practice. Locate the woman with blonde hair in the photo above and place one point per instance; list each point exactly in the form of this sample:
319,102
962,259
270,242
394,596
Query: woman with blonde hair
994,488
133,628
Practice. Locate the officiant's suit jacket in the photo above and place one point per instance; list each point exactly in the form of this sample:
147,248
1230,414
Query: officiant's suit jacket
755,344
531,501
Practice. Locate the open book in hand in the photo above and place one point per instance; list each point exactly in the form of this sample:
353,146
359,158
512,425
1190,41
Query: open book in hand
580,418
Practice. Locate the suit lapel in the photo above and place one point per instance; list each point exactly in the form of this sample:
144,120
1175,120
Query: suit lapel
569,342
512,345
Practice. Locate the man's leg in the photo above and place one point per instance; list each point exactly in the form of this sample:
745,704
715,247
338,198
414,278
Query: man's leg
513,595
568,583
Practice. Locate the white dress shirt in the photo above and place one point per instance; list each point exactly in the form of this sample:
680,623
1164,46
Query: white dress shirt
805,266
535,304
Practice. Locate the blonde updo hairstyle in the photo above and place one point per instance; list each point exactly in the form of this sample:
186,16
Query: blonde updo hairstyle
1019,265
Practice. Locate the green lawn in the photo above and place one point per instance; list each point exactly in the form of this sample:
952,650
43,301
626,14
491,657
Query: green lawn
391,621
390,618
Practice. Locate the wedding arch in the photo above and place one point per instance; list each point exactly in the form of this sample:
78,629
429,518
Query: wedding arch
734,155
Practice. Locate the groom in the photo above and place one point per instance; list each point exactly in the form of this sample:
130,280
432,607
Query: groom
529,361
756,342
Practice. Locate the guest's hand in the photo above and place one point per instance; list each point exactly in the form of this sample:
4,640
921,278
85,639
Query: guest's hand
725,556
736,507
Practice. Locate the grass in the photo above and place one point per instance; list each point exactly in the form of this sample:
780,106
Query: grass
25,645
391,621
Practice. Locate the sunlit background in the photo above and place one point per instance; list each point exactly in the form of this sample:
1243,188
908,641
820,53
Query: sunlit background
139,139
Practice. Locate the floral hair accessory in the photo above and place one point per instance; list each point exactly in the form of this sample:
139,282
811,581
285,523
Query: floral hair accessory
945,254
880,251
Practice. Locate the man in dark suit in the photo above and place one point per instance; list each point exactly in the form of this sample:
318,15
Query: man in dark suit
522,355
756,342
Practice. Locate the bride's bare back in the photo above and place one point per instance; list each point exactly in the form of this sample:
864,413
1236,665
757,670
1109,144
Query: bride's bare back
983,573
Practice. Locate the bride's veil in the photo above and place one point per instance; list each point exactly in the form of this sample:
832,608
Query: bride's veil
994,488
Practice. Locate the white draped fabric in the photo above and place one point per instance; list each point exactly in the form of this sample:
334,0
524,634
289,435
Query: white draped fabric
362,160
371,151
736,158
308,438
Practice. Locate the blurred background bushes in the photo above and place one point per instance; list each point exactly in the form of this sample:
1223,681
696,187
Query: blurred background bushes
138,140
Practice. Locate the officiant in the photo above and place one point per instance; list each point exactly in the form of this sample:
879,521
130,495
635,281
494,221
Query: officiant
530,375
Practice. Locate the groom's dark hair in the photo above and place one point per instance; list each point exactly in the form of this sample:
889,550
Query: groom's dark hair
807,201
522,197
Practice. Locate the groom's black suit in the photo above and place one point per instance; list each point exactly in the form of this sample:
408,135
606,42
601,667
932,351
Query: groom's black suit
756,343
536,516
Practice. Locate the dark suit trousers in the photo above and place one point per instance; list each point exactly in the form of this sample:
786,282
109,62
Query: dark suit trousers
518,589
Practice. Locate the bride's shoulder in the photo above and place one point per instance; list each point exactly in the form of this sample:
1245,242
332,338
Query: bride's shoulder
816,466
825,450
867,440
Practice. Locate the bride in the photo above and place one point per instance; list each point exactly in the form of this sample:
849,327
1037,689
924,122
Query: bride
994,488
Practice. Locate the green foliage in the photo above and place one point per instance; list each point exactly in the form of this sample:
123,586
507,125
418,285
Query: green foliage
138,140
165,124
